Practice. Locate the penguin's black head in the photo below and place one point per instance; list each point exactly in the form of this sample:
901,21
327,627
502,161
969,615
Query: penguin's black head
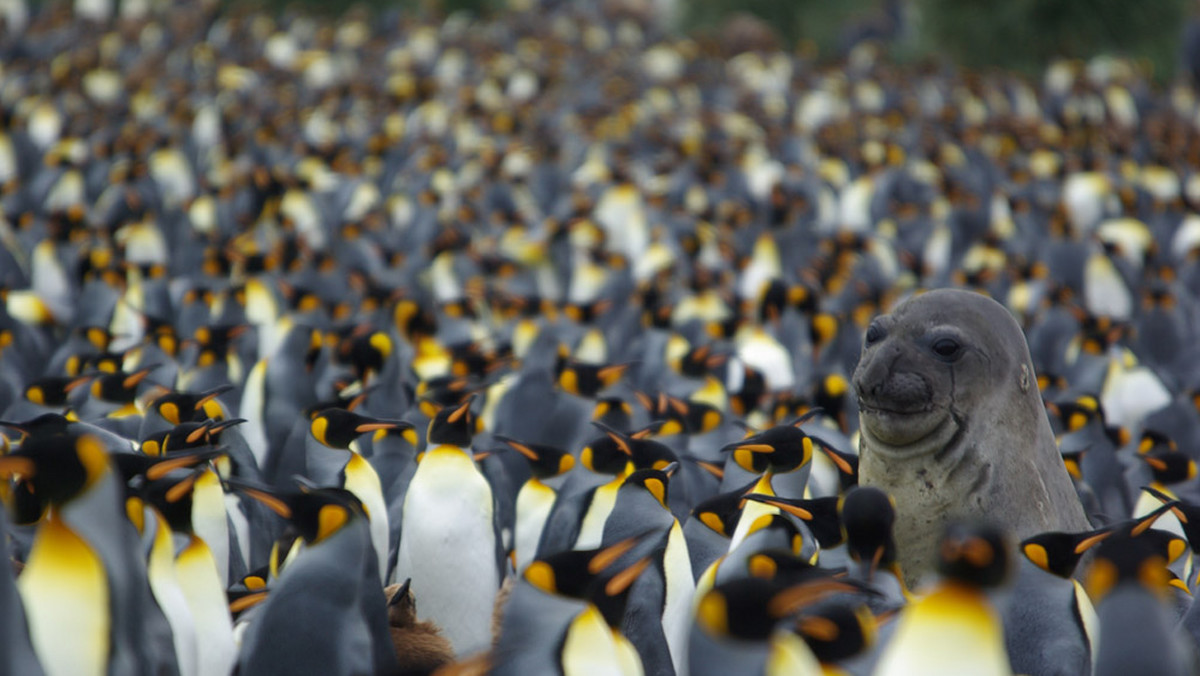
606,455
783,448
1074,414
186,436
785,565
338,427
544,460
1169,467
365,351
216,342
1134,559
53,470
119,387
602,576
836,631
314,513
974,554
173,497
700,361
53,390
44,425
454,425
318,513
103,362
1059,553
820,515
613,411
588,380
650,454
867,517
722,512
181,407
750,608
653,481
568,573
677,416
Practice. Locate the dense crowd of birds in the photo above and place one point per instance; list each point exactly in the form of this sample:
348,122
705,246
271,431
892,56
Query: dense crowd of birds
384,344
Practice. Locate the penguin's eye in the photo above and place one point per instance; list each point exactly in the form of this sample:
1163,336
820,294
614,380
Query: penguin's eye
875,333
947,348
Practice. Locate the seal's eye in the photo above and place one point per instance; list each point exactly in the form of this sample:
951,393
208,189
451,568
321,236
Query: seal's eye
947,348
875,333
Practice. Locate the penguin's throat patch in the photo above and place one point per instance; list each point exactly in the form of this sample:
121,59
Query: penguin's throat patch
906,433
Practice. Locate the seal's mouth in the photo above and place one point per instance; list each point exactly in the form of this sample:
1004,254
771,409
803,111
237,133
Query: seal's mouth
905,431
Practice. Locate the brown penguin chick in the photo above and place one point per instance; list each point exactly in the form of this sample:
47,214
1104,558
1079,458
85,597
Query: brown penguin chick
420,646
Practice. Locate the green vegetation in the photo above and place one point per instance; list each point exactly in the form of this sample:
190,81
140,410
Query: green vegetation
1022,35
1016,34
1025,34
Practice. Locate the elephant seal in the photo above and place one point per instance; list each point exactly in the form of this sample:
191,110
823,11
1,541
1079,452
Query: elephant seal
953,427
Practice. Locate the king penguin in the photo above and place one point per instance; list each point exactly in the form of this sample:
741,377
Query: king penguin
333,431
85,577
571,596
449,542
1130,582
325,614
190,502
953,629
739,627
656,619
536,498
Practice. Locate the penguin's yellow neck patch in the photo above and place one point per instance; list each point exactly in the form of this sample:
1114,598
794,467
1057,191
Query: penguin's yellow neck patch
330,520
93,457
541,575
712,613
169,412
319,426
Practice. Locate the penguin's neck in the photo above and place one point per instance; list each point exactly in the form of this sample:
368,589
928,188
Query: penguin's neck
324,464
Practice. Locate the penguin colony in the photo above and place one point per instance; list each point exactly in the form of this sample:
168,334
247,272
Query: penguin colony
383,345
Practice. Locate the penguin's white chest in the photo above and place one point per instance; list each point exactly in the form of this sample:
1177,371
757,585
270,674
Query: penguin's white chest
534,503
448,547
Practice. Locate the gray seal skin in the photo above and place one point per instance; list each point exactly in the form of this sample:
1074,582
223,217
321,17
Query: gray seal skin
953,426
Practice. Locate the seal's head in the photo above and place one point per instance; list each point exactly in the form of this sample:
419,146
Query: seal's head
925,368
